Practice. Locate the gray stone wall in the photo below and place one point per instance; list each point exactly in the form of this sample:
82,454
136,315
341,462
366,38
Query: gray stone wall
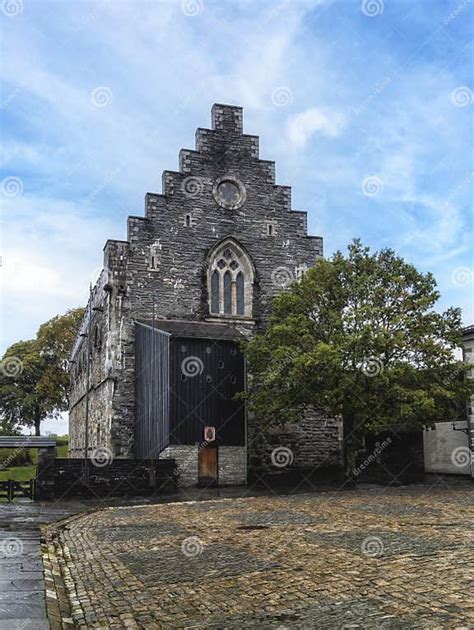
161,270
310,445
186,458
101,381
232,465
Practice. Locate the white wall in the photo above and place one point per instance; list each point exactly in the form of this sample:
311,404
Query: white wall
447,450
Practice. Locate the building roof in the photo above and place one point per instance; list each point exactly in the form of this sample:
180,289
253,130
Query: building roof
468,331
196,330
27,441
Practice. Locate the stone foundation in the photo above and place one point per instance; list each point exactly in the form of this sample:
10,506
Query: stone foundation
186,458
232,464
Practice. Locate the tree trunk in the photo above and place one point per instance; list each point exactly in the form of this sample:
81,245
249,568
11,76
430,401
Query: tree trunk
37,426
350,445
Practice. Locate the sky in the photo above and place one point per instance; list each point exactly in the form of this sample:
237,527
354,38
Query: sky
366,107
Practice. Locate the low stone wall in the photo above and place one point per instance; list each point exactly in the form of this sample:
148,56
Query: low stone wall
62,478
312,446
392,458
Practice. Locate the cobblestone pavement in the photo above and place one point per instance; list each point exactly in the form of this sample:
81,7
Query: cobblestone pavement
370,558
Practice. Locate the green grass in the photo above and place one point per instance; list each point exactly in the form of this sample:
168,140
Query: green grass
27,470
18,473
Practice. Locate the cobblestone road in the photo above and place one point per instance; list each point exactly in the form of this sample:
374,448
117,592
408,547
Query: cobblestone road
373,558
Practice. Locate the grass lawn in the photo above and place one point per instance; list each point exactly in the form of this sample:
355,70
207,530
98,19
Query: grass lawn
28,471
18,473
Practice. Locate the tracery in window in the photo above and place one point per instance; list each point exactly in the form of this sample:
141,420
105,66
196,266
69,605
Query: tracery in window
230,280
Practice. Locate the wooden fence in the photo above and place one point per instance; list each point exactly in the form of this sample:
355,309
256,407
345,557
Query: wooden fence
11,489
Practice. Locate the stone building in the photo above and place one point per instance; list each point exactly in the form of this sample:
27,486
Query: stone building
157,359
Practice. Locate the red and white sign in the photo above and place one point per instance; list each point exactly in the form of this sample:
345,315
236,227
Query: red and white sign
209,434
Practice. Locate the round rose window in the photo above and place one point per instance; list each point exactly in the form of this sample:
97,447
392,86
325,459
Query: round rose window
229,193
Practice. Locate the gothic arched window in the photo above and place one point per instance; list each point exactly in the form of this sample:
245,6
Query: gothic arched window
230,280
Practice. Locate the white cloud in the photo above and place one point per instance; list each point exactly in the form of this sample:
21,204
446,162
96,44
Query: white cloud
85,168
51,252
300,127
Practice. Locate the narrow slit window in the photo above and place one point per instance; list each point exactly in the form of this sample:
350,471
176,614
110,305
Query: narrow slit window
240,294
227,293
215,292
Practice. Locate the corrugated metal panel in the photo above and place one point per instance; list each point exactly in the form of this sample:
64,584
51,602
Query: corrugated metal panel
152,391
205,375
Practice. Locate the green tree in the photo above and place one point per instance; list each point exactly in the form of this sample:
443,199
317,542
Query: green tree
54,342
359,337
33,374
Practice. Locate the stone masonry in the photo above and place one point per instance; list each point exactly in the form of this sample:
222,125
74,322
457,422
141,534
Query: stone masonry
162,271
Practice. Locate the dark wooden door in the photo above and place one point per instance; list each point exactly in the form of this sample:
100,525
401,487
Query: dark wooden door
207,466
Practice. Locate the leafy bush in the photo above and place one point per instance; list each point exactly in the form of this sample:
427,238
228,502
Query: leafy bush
11,457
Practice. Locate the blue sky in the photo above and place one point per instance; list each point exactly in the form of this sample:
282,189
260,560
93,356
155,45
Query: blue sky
365,106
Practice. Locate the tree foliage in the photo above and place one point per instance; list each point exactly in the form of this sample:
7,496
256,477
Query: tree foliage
359,337
33,374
